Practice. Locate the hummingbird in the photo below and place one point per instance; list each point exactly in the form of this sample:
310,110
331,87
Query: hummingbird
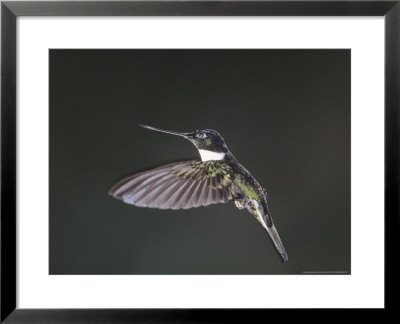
217,178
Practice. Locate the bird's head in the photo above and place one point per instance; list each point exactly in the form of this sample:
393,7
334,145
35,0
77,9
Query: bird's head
209,143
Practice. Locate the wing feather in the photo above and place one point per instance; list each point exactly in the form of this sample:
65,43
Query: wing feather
199,194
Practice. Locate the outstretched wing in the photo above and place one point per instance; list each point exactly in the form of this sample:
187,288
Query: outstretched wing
180,185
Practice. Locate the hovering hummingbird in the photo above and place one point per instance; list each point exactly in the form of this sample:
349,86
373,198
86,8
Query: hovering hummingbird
217,178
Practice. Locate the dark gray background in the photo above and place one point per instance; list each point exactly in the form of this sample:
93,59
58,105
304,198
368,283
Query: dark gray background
285,114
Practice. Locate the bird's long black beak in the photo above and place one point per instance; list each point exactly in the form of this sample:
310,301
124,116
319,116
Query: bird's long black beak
185,135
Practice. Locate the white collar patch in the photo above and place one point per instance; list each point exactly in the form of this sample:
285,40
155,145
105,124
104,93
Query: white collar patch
210,155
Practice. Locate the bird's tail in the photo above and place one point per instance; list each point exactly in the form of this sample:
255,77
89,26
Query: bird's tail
263,216
273,233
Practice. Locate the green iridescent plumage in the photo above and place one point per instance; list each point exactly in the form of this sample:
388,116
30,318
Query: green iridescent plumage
247,188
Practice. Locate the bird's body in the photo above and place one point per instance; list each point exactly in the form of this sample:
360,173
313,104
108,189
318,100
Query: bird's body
217,178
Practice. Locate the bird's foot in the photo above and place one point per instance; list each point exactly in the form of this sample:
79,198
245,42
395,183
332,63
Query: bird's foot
240,203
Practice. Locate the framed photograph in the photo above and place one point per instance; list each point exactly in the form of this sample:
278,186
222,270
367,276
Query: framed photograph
187,161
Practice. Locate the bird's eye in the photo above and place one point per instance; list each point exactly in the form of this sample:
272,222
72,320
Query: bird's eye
201,135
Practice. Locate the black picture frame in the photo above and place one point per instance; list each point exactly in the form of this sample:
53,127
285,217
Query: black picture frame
10,10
